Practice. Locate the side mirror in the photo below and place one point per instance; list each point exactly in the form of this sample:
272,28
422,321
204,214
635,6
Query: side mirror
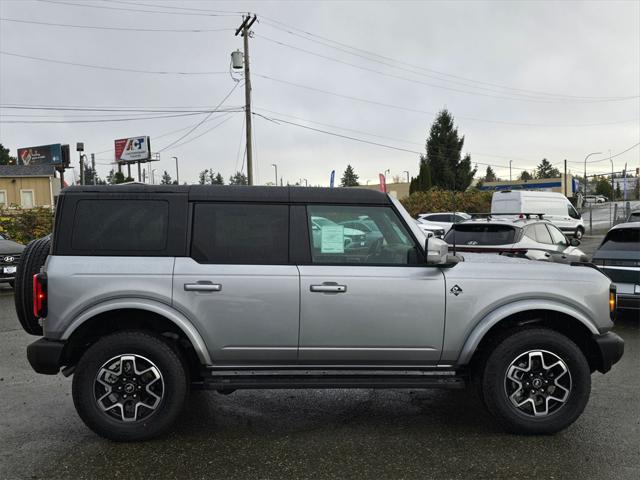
574,242
436,251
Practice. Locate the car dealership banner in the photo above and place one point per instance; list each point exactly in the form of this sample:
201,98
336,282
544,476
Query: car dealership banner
135,149
42,155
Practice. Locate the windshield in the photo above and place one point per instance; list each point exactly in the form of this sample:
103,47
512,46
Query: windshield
627,239
480,234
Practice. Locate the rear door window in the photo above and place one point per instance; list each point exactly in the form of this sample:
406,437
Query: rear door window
542,234
120,226
244,233
481,234
557,236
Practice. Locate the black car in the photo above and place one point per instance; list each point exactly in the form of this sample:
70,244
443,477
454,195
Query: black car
618,256
9,256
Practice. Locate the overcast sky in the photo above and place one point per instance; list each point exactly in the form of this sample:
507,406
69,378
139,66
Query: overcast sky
524,80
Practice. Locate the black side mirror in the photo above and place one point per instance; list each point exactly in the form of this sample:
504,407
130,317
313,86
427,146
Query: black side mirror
574,242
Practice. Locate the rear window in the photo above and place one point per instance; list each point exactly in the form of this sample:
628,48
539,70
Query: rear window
240,233
120,226
480,234
622,239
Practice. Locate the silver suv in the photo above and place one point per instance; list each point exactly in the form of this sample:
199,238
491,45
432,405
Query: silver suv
149,291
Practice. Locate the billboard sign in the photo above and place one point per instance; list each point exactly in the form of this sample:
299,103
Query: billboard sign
42,155
135,149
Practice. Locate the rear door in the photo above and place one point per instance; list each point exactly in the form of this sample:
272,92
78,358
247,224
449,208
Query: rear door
237,286
381,306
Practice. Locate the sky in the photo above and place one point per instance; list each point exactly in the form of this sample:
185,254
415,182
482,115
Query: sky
524,81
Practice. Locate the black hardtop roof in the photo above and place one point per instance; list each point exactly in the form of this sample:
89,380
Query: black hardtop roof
242,193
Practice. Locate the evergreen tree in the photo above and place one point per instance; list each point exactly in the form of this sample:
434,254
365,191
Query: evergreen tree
422,182
217,180
546,170
166,179
238,179
526,176
490,175
447,169
5,158
349,178
603,187
203,177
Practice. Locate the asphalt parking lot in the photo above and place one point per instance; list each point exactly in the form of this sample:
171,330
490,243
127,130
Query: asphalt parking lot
314,434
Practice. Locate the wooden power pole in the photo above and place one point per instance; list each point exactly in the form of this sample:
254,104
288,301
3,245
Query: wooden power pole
243,29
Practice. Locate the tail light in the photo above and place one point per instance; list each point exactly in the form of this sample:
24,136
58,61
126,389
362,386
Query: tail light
613,300
40,295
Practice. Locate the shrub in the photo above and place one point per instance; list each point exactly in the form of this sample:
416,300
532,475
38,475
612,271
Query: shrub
24,225
436,200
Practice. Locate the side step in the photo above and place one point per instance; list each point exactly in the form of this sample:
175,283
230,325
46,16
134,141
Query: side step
217,379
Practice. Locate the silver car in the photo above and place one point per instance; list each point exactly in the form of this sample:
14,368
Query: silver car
530,236
148,291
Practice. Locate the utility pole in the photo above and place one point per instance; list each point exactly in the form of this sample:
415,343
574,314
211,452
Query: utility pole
177,174
564,180
611,161
408,180
510,169
93,168
276,167
247,22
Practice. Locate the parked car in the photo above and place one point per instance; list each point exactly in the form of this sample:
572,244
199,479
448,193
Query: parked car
556,208
431,229
595,199
149,290
10,252
530,236
618,256
443,219
634,216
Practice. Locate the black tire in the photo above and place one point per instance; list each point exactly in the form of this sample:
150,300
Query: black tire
31,261
522,420
173,379
579,233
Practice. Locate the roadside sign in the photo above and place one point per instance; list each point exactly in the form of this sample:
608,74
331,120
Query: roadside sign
134,149
42,155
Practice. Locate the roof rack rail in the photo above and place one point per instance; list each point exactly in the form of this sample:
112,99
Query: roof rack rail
526,215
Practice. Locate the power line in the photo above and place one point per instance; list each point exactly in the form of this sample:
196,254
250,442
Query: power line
235,85
198,136
288,29
399,77
87,5
229,12
608,157
427,112
103,67
102,120
132,29
114,109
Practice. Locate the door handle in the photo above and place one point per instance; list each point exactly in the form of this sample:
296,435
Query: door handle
329,288
202,287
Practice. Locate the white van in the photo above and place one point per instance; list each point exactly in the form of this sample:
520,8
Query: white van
555,207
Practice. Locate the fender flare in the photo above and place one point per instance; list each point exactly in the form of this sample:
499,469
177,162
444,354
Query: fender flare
162,309
499,314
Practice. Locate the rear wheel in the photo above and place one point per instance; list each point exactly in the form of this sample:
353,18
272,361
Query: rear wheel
130,386
536,381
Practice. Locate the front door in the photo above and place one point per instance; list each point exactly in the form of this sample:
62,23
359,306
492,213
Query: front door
238,287
368,299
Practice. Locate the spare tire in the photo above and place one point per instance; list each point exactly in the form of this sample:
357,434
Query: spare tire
31,261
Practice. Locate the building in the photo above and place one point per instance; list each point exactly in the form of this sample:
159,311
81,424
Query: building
396,190
567,186
28,186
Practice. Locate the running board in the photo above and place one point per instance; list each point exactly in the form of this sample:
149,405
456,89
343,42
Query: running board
226,380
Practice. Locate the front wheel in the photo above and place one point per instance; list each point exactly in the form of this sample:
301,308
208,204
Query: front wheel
130,386
536,381
579,233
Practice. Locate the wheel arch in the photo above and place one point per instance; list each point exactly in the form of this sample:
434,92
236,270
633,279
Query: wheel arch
560,318
116,315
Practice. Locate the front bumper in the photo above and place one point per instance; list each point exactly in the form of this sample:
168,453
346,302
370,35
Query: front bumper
45,356
610,348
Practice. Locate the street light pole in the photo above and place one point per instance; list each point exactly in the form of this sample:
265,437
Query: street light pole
510,169
306,183
585,170
612,191
276,167
177,174
385,175
408,181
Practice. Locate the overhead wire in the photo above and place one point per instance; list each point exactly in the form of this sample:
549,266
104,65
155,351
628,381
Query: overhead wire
104,7
120,29
102,120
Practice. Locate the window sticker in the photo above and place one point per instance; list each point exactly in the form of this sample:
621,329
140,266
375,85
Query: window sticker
332,239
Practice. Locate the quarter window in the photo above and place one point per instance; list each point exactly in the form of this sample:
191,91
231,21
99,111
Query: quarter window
240,233
336,240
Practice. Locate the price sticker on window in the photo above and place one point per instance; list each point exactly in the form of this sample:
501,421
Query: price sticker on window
332,239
